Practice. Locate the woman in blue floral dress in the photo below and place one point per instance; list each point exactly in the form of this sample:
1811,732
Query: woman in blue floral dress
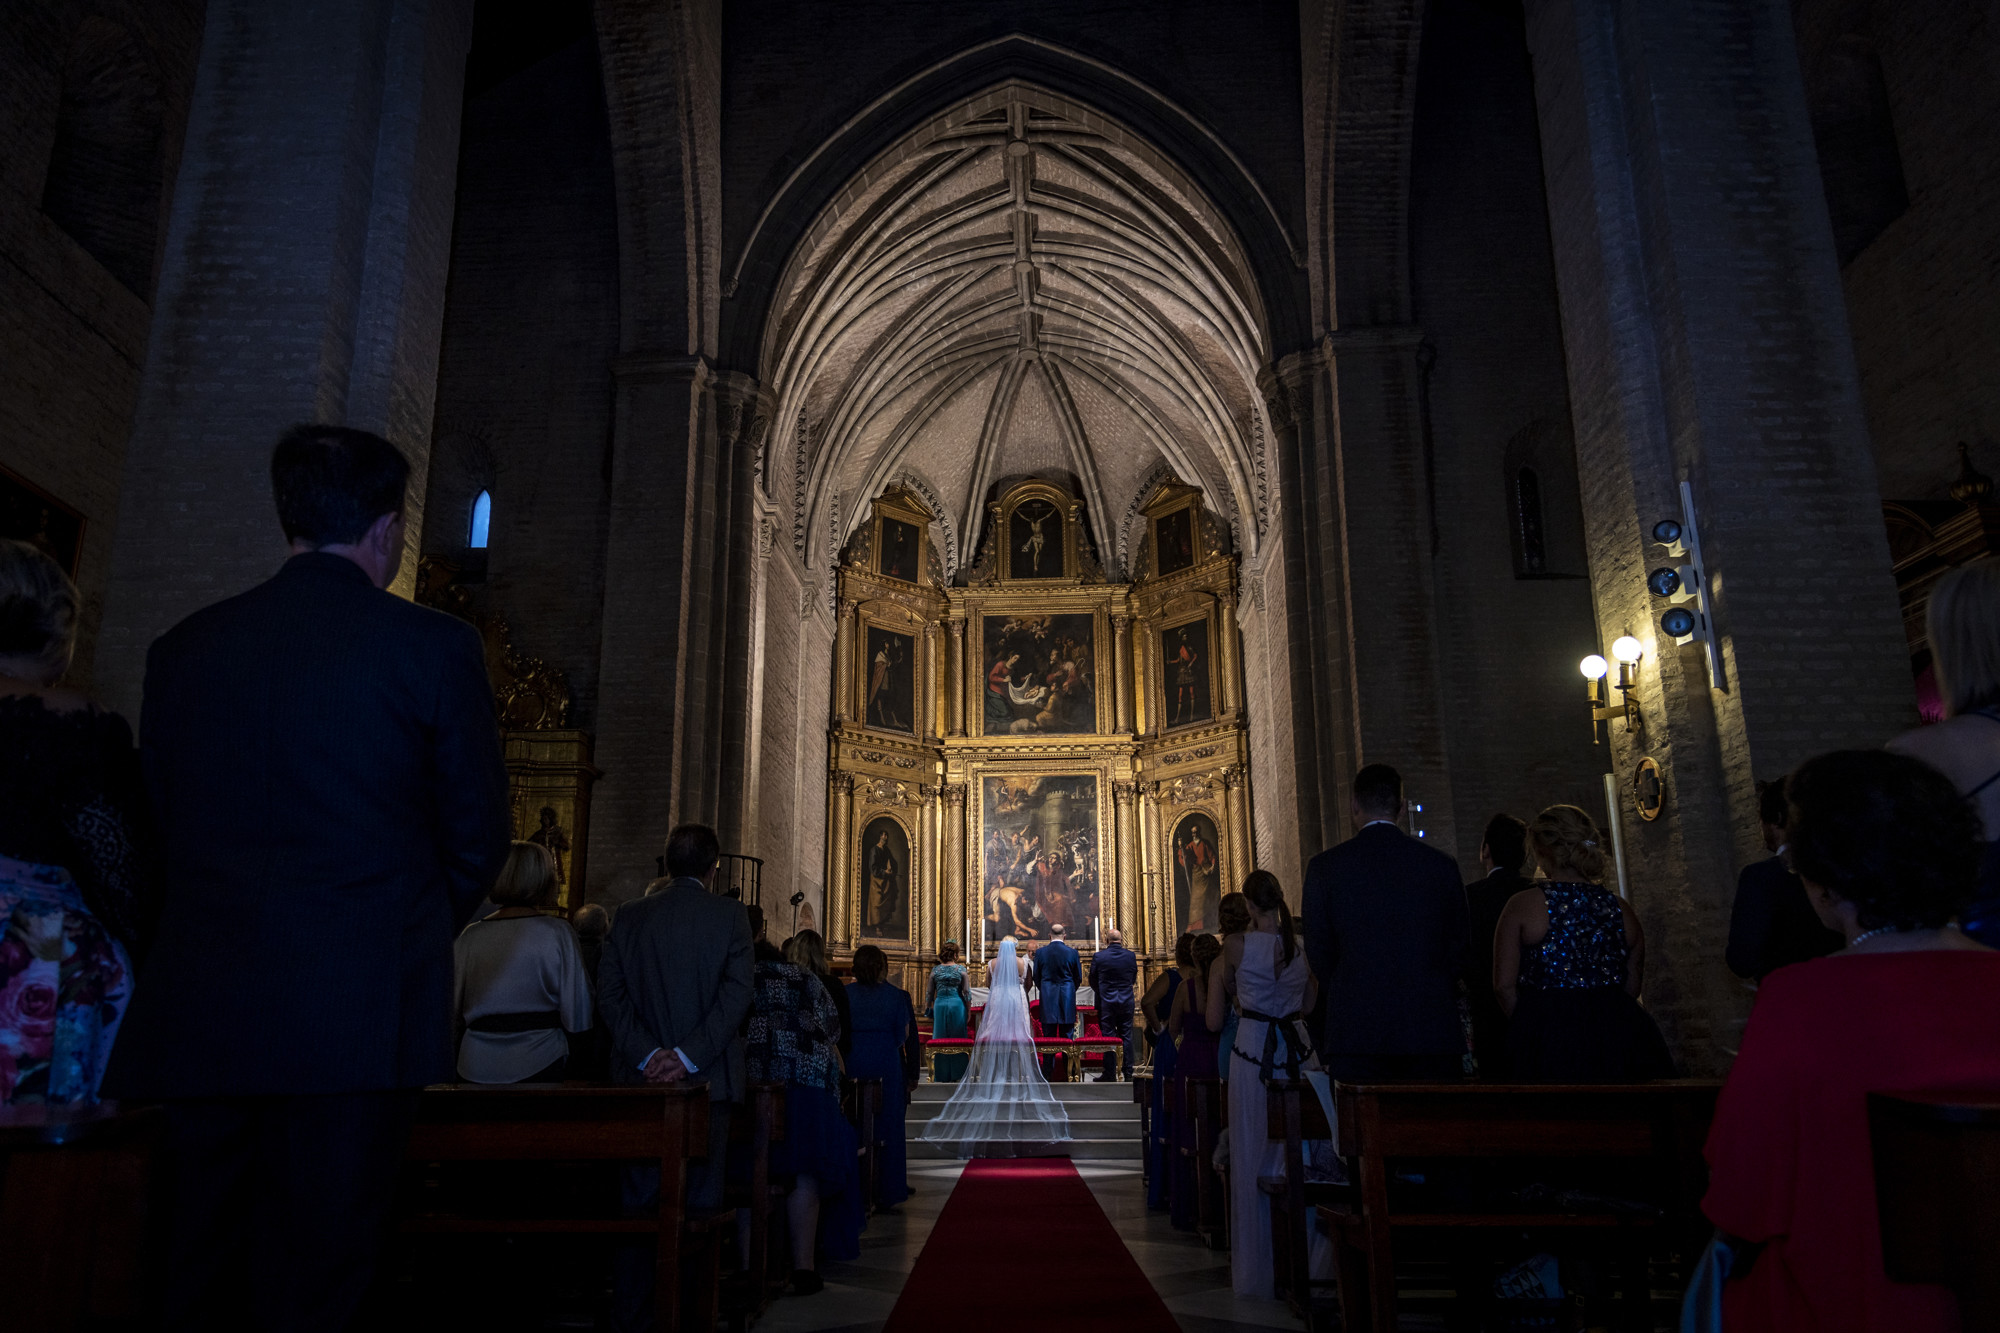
74,880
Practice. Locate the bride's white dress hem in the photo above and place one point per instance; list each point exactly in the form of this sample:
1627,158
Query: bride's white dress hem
1003,1106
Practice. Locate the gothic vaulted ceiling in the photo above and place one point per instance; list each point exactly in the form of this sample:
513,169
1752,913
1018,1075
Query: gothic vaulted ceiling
1020,287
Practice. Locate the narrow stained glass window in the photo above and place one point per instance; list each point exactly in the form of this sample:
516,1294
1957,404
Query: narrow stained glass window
482,519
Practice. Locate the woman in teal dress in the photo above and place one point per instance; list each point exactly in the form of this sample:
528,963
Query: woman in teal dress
948,1006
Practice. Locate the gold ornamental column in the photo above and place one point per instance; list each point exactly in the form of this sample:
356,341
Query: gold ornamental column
1121,661
927,699
1123,794
840,890
1232,657
1153,913
924,885
956,902
954,680
1236,800
843,665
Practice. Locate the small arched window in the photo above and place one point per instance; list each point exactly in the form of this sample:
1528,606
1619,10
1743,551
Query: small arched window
1528,528
482,520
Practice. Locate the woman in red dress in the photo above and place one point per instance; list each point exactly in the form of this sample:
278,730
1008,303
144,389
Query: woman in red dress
1888,851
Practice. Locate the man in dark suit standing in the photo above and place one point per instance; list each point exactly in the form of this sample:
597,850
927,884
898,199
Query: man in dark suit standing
1504,852
1772,924
1057,970
1114,973
325,766
674,986
1385,934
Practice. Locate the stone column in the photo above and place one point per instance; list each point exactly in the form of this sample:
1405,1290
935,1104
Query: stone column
1707,342
1123,794
1231,655
954,676
841,892
1242,838
302,279
1121,665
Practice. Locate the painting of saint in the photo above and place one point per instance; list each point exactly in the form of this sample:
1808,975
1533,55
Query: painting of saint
1173,538
1035,541
1040,675
30,514
890,700
1197,875
885,880
552,835
1184,651
901,550
1039,864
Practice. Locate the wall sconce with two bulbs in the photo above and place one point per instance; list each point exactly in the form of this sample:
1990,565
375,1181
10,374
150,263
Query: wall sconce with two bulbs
1627,650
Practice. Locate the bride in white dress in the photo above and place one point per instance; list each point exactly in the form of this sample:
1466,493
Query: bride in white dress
1003,1107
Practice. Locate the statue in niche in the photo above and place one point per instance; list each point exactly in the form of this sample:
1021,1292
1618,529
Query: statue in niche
552,836
1036,541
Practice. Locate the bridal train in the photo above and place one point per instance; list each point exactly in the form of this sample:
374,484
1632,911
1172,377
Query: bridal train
1003,1106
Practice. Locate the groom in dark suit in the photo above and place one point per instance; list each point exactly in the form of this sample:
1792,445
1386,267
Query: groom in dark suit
1057,969
325,768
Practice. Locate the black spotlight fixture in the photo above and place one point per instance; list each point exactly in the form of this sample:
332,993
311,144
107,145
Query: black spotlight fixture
1664,582
1667,531
1678,623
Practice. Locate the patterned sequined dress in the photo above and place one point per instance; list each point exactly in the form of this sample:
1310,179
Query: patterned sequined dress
1574,1022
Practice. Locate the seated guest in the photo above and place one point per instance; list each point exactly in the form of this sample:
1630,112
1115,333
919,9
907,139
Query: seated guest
1385,933
808,951
592,924
520,984
1772,924
1568,959
948,1006
1504,853
884,1046
1962,621
794,1038
1889,852
1156,1006
75,876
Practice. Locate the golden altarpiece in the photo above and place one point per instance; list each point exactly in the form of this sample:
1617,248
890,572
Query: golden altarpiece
1038,745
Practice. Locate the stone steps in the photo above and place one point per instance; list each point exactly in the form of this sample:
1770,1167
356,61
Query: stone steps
1103,1118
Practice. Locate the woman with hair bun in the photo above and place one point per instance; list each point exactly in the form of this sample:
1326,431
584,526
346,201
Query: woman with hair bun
1568,959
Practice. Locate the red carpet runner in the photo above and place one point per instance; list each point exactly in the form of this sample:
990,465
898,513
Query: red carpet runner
1025,1237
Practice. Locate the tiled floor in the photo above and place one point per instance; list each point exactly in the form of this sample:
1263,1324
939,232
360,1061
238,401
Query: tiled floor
1192,1279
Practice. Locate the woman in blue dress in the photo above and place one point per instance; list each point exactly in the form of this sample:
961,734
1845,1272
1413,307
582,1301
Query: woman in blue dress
948,1007
885,1047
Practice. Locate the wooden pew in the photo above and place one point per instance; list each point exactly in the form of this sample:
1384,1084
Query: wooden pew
1142,1093
1937,1191
1657,1126
1295,1116
73,1213
550,1122
756,1132
1205,1105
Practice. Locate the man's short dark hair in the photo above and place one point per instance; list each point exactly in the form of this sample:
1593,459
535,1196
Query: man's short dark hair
333,482
870,965
1507,842
756,914
1771,804
692,851
1885,832
1378,787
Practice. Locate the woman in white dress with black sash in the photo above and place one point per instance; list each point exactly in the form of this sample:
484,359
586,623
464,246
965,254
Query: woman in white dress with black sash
1266,968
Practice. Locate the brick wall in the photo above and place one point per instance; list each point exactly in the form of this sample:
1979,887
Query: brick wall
72,332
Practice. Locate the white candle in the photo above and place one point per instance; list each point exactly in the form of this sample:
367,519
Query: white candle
1093,932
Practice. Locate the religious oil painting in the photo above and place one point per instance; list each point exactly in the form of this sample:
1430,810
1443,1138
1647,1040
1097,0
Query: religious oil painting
890,701
1173,536
1197,875
1186,675
902,547
1039,863
885,880
1041,675
30,514
1035,541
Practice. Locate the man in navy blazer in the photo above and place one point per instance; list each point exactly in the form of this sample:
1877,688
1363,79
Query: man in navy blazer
1772,924
325,768
1057,969
1114,974
1385,924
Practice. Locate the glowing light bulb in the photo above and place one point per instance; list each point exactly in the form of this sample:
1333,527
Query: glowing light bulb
1594,667
1628,649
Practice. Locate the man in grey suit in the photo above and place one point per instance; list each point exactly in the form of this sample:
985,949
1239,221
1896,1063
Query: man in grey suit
673,987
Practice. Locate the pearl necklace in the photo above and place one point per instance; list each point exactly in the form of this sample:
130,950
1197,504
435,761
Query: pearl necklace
1891,930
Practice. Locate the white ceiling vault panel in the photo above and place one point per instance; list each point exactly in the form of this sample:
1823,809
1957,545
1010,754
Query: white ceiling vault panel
1020,287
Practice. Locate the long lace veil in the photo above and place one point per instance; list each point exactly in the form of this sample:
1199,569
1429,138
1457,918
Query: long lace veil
1003,1107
